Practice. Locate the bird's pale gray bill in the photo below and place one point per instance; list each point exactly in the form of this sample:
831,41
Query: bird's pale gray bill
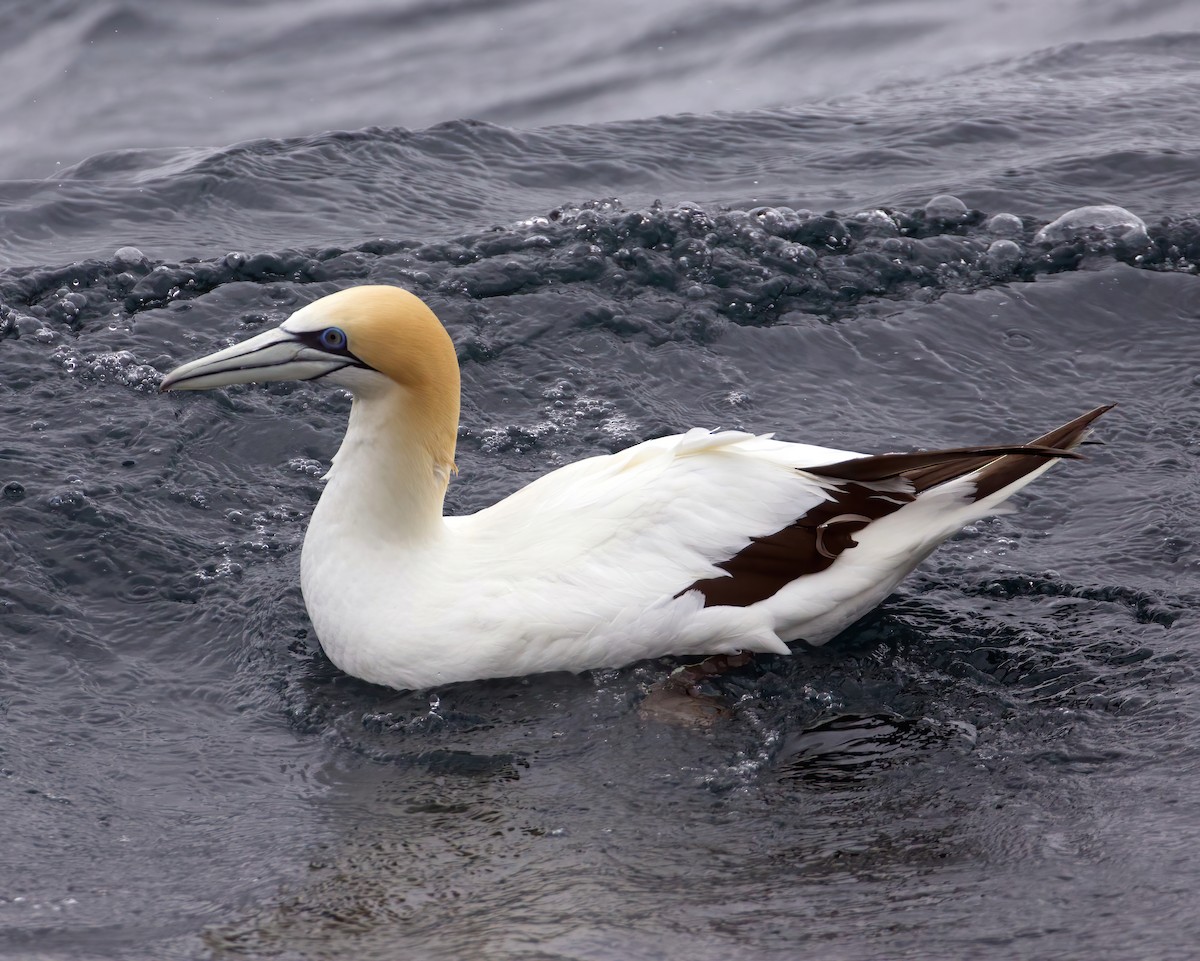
272,355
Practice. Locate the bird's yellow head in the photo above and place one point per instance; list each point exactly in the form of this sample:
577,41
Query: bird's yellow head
380,342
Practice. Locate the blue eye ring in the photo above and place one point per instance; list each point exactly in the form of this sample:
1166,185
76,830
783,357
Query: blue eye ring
333,338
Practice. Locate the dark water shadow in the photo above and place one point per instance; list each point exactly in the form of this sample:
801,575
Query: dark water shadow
850,748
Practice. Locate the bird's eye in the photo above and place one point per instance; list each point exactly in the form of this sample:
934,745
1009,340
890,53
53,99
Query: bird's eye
333,338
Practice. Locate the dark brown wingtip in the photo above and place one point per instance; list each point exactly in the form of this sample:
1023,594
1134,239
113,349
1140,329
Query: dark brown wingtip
999,474
813,542
998,466
1070,435
881,467
926,469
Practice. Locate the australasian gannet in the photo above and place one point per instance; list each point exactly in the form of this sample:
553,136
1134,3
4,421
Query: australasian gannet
701,543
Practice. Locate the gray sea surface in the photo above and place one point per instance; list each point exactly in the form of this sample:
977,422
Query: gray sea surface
872,226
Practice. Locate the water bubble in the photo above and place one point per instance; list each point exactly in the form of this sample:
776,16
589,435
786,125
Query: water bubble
1001,257
1136,239
805,254
66,358
66,499
878,222
794,252
776,220
305,465
1100,222
620,427
1017,339
560,390
690,215
220,570
945,207
1005,225
129,257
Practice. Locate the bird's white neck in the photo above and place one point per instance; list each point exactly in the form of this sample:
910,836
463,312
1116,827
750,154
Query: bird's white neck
389,478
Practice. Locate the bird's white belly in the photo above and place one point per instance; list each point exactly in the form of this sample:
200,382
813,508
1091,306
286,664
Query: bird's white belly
398,624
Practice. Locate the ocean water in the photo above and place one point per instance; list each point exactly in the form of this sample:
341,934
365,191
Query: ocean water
842,222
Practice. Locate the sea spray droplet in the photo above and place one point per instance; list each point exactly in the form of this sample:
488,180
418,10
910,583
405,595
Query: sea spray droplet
1103,221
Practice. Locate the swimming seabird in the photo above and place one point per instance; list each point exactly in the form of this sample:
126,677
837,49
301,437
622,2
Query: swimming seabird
703,543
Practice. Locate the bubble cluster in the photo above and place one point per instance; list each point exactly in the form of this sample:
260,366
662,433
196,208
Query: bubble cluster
693,269
118,367
219,570
306,465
